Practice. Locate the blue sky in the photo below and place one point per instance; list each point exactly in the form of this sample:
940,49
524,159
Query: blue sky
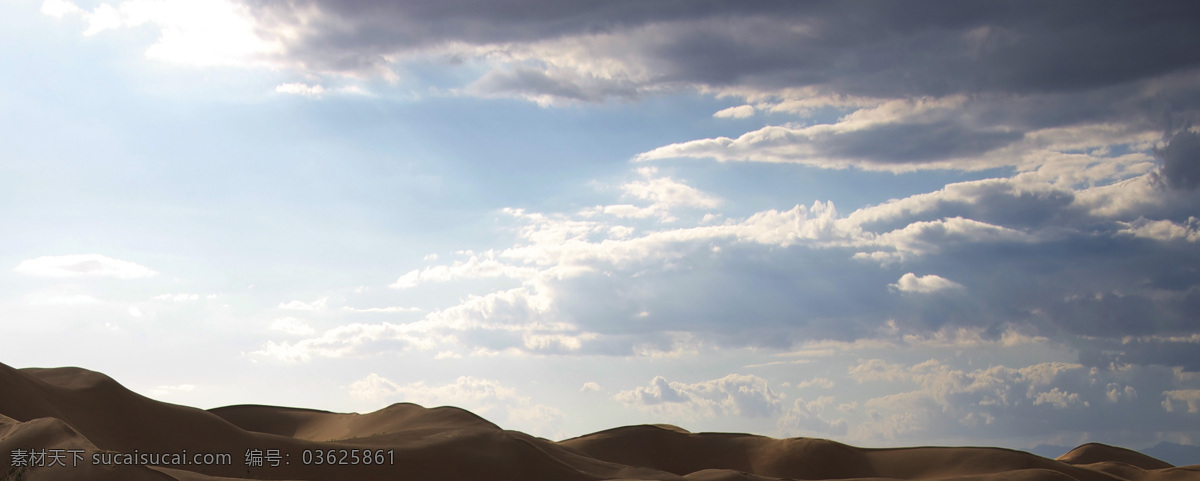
884,224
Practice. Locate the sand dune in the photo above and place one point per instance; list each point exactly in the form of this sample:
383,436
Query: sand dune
314,425
1094,453
77,409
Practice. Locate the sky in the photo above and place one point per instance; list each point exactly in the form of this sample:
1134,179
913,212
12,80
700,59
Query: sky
883,223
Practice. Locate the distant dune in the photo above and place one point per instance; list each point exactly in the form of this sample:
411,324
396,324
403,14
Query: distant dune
75,424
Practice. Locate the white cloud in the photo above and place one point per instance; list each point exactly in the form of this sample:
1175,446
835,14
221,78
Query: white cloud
738,112
667,192
924,284
732,395
165,390
926,237
904,135
1060,399
520,310
316,305
590,386
1164,230
82,265
962,337
373,387
303,89
477,267
664,194
517,320
1116,393
351,340
1174,400
1040,397
807,418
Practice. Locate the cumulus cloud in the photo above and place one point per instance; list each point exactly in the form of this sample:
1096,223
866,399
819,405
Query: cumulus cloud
732,395
82,265
924,284
666,191
477,267
664,195
807,418
1175,399
796,275
373,387
1043,399
955,132
516,320
738,112
1164,230
895,141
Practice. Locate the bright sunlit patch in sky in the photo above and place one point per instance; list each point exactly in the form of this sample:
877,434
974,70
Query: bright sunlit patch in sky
200,33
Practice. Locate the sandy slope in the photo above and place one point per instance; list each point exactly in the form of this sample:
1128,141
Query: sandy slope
314,425
72,408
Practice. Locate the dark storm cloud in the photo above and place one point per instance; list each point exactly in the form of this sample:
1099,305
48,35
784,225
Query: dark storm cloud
476,21
893,49
882,49
350,34
1181,160
1161,352
533,82
915,142
1082,285
1020,66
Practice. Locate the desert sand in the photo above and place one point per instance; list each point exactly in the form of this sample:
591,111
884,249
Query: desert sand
61,409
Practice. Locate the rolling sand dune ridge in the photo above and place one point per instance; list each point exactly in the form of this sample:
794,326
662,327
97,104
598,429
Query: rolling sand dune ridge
75,424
